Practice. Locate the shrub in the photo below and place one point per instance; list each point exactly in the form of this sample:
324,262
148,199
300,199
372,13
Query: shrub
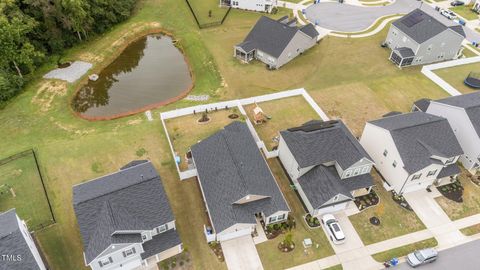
288,241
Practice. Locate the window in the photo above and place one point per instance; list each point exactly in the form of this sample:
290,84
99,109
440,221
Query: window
281,217
348,173
394,164
129,252
385,153
430,173
335,198
416,176
144,237
162,228
365,169
356,171
105,261
272,219
298,168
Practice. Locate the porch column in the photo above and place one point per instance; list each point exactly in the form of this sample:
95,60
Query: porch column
369,189
400,64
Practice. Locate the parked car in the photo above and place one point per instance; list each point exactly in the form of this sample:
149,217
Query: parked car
333,228
457,3
449,14
422,256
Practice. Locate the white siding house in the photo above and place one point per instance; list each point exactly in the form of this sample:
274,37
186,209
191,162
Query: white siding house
253,5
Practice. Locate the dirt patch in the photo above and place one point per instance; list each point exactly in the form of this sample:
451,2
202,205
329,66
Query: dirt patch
47,91
134,122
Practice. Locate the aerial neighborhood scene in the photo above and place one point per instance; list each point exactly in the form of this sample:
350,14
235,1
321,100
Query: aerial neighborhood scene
239,134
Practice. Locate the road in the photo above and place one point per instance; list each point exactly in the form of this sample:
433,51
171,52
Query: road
464,257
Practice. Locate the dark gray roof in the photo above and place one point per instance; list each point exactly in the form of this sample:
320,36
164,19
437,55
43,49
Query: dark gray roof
405,52
322,183
12,242
391,114
317,142
458,29
419,26
422,104
418,136
273,36
230,167
450,170
161,242
471,104
130,199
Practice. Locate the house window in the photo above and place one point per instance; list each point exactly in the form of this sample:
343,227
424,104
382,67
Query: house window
162,228
144,237
129,252
298,168
416,176
385,153
105,261
450,160
430,173
335,198
356,171
281,217
365,169
272,219
348,173
394,164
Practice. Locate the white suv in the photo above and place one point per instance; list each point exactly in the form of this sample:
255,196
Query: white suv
448,14
333,228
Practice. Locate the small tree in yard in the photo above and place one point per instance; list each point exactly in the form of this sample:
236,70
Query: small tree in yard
288,241
210,13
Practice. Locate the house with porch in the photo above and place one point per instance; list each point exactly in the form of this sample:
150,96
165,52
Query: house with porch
125,219
327,165
237,185
276,42
254,5
463,115
420,38
17,248
412,151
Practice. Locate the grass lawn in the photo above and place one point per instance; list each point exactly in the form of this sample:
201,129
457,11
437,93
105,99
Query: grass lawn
471,200
202,8
271,257
468,53
336,267
394,220
404,250
186,131
465,12
456,75
21,188
468,231
286,113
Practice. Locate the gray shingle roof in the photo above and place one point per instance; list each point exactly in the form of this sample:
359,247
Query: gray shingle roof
272,36
418,136
405,52
469,102
130,199
13,243
420,26
458,29
230,166
160,242
310,30
319,146
422,104
322,183
450,170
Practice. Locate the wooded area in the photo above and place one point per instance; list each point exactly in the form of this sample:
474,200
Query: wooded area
32,31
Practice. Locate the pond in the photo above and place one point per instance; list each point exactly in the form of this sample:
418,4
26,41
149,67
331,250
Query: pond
149,72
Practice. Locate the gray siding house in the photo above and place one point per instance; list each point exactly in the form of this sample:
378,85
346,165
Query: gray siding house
419,38
125,219
327,165
276,42
237,185
17,248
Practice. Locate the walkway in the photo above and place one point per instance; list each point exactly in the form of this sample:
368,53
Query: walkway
241,254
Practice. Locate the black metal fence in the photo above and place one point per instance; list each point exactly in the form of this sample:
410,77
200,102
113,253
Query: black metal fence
207,25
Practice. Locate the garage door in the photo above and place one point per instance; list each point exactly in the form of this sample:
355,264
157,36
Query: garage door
239,233
240,254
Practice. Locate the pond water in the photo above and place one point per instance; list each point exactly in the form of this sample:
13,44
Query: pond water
149,71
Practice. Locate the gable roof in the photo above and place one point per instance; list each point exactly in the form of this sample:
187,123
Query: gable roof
422,104
272,36
421,26
12,242
322,183
130,199
418,136
470,103
230,166
317,142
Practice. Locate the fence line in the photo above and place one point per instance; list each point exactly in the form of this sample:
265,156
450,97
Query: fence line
15,156
43,185
207,25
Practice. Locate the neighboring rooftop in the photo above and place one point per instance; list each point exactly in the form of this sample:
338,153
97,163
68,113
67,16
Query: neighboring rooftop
272,36
317,142
230,167
12,242
470,102
422,104
130,199
418,136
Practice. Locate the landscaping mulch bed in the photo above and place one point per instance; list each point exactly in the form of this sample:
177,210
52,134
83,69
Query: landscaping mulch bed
274,230
400,200
366,201
181,261
374,221
285,247
453,191
312,222
217,249
233,116
204,119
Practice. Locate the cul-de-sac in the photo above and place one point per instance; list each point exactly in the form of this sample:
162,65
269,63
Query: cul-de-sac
239,134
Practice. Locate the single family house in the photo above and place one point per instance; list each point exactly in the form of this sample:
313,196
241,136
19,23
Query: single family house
17,248
276,42
237,185
326,163
413,150
254,5
125,219
419,38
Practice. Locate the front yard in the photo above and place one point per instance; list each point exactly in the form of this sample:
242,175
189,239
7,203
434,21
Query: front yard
285,113
271,257
394,220
404,250
465,12
456,75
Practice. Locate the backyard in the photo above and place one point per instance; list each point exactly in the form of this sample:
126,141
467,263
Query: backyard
208,11
456,75
283,113
394,220
271,257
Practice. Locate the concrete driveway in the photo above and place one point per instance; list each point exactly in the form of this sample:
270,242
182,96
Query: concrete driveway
352,240
240,254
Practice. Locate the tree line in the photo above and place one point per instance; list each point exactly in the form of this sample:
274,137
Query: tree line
31,31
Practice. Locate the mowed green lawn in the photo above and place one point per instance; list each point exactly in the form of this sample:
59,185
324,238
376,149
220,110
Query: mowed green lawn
21,188
456,75
208,11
